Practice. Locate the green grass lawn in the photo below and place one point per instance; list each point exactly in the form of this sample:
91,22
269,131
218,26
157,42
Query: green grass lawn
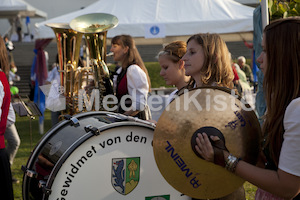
23,126
153,70
27,145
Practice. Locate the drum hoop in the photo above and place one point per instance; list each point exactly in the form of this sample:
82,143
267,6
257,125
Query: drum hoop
81,140
45,138
35,152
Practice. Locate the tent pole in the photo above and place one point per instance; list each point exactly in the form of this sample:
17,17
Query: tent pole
264,13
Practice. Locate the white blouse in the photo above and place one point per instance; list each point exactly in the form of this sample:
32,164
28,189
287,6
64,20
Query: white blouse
289,160
138,87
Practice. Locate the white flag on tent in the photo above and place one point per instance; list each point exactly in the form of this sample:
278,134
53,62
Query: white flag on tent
155,31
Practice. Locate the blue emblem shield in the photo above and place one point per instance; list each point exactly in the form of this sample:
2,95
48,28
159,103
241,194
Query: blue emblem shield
125,174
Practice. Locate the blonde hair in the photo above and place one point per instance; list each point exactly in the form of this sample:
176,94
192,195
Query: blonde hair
175,51
217,64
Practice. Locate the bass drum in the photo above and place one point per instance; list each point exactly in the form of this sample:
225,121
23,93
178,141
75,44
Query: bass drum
96,155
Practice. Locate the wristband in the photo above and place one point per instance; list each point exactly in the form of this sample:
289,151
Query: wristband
231,163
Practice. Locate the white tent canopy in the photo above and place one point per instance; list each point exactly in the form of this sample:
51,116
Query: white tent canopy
12,8
171,17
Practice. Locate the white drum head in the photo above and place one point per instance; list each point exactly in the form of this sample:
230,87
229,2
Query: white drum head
117,164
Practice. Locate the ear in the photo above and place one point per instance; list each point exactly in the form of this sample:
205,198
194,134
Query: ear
125,49
181,64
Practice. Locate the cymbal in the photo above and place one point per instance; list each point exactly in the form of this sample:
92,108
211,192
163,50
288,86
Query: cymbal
211,108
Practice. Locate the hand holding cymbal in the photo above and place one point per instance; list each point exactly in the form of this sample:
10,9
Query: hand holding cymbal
209,144
214,111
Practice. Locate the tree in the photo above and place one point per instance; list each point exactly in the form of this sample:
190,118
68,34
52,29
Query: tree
283,8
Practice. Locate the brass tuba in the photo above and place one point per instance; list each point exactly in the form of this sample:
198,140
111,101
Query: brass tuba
73,77
94,26
68,48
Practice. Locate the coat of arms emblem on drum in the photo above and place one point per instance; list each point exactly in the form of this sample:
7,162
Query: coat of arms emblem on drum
125,174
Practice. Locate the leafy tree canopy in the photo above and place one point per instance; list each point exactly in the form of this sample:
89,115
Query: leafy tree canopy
283,8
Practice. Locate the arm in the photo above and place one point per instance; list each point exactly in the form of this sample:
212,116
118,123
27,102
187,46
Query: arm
277,182
131,112
137,88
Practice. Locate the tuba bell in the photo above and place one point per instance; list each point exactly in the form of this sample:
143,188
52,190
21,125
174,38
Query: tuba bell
94,26
75,78
68,48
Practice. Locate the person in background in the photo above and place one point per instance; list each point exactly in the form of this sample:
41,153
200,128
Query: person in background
172,67
133,78
236,79
12,78
12,74
9,45
18,23
242,78
54,80
12,137
11,134
209,63
13,68
246,91
6,187
241,61
277,175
